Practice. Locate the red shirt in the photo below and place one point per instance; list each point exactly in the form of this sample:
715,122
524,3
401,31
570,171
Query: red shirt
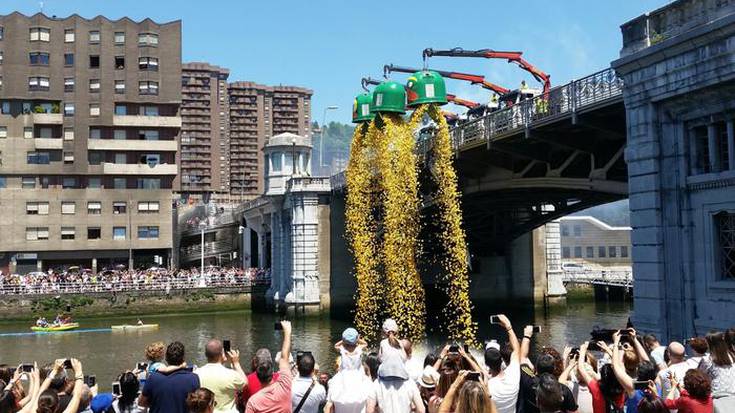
687,404
598,400
253,386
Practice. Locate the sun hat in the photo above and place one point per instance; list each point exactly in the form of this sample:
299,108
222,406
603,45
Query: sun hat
350,336
429,378
390,325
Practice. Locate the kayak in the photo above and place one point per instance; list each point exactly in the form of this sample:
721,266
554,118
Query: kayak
49,329
133,327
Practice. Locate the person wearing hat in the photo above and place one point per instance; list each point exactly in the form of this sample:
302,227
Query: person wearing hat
393,392
350,387
391,346
350,349
427,384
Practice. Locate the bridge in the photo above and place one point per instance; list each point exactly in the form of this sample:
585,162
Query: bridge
613,278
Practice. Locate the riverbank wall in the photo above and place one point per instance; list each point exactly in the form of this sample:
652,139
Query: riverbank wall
100,304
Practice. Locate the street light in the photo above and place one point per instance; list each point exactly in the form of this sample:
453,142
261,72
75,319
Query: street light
293,157
202,226
321,136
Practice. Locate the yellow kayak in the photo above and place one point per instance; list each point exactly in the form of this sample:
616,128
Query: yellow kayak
63,327
133,327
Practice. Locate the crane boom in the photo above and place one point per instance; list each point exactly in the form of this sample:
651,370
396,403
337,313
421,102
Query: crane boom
462,102
515,57
474,79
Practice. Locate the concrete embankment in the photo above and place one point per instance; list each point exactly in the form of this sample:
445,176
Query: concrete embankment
95,304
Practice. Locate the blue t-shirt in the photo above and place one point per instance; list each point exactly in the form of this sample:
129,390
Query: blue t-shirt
167,393
631,404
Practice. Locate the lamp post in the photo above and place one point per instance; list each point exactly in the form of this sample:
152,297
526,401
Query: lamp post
321,136
293,157
202,226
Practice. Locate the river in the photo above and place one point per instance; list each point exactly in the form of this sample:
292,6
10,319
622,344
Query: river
106,354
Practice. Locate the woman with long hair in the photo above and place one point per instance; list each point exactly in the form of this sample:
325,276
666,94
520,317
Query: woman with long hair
200,400
127,402
469,396
607,393
48,402
719,365
448,372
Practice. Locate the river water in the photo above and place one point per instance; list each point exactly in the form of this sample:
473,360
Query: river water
106,353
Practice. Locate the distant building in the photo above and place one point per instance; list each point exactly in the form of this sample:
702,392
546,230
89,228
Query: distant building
586,239
89,138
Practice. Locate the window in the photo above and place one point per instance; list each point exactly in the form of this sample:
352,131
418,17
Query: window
148,135
36,208
28,132
149,183
69,36
612,251
38,158
148,88
148,111
119,207
94,158
725,232
94,208
68,157
3,131
68,134
147,39
94,233
94,61
118,233
2,32
40,34
590,252
121,110
119,37
601,252
39,58
68,207
94,183
68,109
577,252
577,230
46,133
3,182
119,183
121,158
148,232
36,233
119,62
276,158
148,207
119,86
95,133
120,134
94,109
565,252
68,59
38,83
94,36
28,182
69,182
148,63
94,85
69,84
150,159
68,233
624,251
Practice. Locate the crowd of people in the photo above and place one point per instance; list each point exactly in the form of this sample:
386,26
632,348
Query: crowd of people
627,373
156,278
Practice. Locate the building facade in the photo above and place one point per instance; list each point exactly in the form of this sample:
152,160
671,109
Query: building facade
679,94
587,240
89,137
205,130
258,112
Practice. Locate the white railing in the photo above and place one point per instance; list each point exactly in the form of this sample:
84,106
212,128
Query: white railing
615,278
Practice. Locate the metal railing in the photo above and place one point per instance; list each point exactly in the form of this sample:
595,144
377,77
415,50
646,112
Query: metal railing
615,278
562,101
239,283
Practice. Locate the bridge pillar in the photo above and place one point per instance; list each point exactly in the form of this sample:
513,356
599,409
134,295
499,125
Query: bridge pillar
678,91
555,285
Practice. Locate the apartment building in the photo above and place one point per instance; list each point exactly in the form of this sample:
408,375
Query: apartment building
258,112
587,240
89,137
205,130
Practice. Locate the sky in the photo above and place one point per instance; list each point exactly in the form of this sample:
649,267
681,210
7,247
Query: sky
329,45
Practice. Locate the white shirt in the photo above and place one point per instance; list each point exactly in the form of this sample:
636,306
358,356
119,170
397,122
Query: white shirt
582,395
414,368
658,355
678,369
504,388
317,395
349,390
394,396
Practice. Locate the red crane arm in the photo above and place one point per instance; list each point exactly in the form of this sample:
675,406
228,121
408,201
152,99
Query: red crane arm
462,102
515,57
474,79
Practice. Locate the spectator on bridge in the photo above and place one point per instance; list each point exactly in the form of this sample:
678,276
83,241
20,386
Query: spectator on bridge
468,396
275,396
607,393
168,393
719,365
348,390
391,345
549,394
699,351
394,391
307,395
127,402
656,350
350,349
571,378
695,397
222,381
503,384
427,385
201,400
547,362
678,366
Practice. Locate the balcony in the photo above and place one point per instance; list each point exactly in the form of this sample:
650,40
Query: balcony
130,145
48,143
48,118
147,121
138,169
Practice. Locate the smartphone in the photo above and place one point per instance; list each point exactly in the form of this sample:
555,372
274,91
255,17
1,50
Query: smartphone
67,364
226,345
454,348
574,352
494,319
278,326
142,366
640,384
68,308
90,380
466,348
26,367
536,329
11,371
593,346
116,388
474,376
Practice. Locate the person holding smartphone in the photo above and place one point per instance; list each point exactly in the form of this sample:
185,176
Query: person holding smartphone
275,396
503,384
222,381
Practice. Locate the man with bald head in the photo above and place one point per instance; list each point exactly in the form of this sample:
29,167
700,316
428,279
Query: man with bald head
222,381
678,366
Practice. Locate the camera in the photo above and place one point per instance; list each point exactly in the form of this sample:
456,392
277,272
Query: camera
474,376
142,366
574,353
226,345
26,367
116,388
67,364
640,384
494,319
454,348
90,380
536,329
278,326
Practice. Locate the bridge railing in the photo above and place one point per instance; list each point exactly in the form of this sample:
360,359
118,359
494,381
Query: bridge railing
615,278
561,101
